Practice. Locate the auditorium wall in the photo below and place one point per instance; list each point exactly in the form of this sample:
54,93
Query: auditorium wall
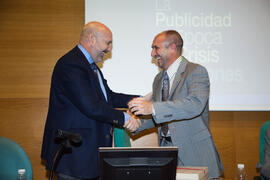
33,35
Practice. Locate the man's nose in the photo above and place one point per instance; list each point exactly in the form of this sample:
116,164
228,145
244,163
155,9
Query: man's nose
153,53
110,48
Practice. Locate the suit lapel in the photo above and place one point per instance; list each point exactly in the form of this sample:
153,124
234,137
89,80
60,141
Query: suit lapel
178,80
91,73
157,87
100,90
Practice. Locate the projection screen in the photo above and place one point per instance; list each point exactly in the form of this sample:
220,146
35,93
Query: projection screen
230,38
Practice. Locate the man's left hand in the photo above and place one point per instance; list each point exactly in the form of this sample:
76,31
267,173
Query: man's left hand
140,106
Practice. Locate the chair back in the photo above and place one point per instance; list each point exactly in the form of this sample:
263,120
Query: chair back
264,127
12,158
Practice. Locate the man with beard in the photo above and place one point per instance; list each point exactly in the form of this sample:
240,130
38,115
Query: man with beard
81,102
179,105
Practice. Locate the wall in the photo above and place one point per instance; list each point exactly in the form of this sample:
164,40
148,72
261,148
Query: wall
33,35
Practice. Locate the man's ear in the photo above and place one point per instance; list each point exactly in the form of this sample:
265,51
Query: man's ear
173,46
92,39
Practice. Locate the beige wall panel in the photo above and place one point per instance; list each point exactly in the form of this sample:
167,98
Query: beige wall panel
148,138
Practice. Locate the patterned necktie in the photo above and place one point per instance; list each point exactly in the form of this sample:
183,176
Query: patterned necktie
165,95
95,69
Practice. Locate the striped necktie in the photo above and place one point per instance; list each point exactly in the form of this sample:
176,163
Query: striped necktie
165,95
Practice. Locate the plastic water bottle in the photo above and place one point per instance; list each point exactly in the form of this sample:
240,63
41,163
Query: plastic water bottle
21,174
241,173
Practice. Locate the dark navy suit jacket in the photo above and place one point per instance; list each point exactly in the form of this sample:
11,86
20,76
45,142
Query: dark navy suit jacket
77,104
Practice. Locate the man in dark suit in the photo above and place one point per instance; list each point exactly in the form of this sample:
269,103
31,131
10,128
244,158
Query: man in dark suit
179,105
265,171
81,102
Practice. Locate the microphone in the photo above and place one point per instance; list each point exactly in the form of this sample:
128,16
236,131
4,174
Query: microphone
74,138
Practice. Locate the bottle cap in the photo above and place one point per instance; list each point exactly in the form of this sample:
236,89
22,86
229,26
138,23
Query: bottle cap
240,166
21,171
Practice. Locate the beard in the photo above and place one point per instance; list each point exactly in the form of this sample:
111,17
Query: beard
100,57
160,61
101,54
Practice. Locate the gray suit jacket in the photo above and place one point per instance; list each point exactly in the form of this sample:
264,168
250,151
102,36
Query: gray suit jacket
186,113
265,171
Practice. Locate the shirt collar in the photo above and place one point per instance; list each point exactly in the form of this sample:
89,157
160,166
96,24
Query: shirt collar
86,54
174,67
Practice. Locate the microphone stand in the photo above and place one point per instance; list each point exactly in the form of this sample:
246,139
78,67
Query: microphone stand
64,139
63,146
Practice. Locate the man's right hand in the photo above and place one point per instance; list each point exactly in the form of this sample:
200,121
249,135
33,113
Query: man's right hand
133,123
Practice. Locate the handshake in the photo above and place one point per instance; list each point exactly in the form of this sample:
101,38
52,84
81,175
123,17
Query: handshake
138,106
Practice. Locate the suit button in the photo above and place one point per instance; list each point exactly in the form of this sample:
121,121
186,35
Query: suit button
107,136
115,121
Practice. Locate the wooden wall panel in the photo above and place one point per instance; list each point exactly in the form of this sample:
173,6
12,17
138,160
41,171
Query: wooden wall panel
221,126
23,120
247,128
236,135
33,35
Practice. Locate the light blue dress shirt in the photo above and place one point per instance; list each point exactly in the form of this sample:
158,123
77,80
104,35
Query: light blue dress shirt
90,60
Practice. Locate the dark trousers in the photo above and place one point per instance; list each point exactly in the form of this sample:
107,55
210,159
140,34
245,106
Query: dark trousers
66,177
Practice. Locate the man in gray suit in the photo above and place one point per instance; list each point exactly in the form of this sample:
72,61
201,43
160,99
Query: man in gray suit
265,171
179,105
